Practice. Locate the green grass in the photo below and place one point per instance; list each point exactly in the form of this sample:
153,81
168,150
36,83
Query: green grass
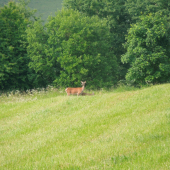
44,7
118,129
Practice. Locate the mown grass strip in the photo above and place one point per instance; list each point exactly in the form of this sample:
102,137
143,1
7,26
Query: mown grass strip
110,130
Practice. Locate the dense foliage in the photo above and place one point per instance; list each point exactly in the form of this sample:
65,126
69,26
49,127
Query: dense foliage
137,8
70,48
121,15
117,19
101,42
42,58
14,69
83,47
148,50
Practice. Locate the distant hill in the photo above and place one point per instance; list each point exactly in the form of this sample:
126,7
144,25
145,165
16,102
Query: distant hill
44,7
3,2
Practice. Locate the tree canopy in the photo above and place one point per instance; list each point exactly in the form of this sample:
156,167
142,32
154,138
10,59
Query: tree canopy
73,47
14,71
101,42
148,50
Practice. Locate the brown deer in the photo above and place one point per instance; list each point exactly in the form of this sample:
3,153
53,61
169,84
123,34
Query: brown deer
77,90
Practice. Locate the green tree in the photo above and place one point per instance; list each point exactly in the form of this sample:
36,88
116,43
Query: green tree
81,45
14,71
148,50
118,21
136,8
120,14
43,59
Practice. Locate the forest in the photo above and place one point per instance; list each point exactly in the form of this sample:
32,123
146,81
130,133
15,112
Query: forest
103,42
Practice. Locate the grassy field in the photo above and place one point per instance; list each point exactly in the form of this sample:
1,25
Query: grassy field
119,129
44,7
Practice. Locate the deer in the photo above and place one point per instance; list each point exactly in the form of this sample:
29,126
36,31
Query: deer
77,90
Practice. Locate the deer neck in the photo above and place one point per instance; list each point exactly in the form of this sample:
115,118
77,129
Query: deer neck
82,88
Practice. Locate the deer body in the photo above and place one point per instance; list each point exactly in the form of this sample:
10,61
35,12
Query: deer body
77,90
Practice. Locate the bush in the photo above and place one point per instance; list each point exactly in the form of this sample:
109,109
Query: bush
148,50
14,71
81,45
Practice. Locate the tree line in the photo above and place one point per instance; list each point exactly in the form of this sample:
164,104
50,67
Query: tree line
102,42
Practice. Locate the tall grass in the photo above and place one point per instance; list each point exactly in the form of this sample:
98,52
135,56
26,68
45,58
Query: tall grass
116,129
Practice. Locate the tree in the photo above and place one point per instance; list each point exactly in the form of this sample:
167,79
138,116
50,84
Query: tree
43,60
81,45
14,71
137,8
118,21
148,50
120,14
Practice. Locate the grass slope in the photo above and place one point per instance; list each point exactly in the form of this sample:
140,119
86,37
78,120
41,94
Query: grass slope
111,130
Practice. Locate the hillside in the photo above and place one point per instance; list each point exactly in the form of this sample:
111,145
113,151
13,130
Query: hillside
44,8
111,130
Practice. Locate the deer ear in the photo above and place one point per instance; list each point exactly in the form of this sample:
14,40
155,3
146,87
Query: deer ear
85,81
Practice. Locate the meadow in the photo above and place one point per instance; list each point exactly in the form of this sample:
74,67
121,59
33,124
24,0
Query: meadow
123,128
